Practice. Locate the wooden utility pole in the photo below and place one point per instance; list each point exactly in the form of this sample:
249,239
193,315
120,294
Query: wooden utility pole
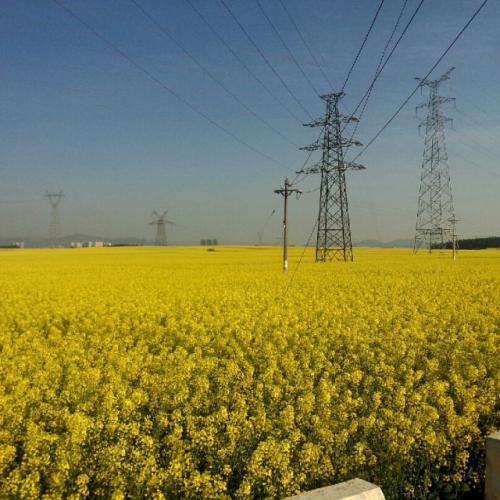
286,191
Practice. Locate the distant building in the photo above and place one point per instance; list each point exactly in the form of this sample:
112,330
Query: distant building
209,242
89,244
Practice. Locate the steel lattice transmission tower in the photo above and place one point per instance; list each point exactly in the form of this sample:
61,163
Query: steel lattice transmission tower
333,240
435,216
55,221
161,232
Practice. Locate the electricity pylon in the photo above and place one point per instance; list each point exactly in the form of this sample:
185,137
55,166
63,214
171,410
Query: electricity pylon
286,191
160,222
435,216
333,239
55,222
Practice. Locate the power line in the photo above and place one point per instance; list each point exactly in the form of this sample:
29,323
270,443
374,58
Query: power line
477,123
315,190
289,284
368,93
242,63
265,59
299,172
407,100
304,176
260,233
479,147
479,86
308,157
472,103
469,161
379,72
306,44
366,99
373,211
290,53
149,16
362,44
164,86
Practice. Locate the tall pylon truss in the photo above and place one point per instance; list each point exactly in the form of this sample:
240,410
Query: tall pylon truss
55,221
434,227
160,222
333,239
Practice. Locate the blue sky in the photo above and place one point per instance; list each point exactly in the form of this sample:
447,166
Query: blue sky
77,116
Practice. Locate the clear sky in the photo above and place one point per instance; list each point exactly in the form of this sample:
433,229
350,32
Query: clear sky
77,116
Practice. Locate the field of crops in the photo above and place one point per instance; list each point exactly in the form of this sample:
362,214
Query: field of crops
178,372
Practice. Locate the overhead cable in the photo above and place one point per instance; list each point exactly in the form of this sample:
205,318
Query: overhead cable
264,58
414,91
368,94
241,61
379,72
165,87
306,44
362,44
209,73
285,46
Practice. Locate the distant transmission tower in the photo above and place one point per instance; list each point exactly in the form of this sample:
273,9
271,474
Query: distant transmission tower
160,222
333,240
435,216
55,222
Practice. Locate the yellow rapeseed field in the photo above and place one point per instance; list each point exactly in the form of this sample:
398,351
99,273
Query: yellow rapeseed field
178,372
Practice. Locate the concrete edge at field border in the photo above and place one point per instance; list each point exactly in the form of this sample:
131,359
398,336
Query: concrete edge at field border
354,489
492,483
